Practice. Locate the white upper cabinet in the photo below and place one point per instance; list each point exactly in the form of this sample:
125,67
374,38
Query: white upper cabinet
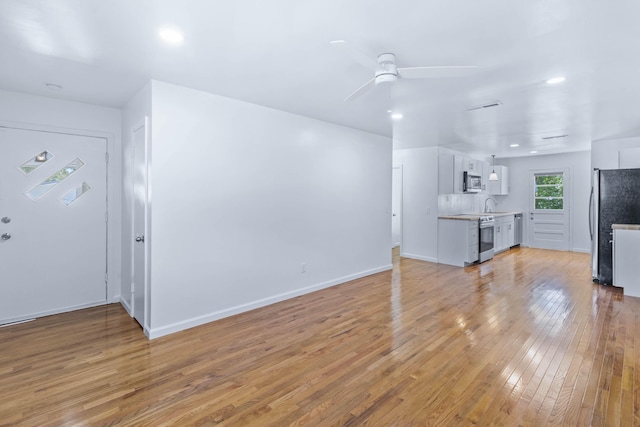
486,170
451,168
501,186
449,174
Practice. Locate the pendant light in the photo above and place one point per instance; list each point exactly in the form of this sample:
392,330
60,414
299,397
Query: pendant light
493,176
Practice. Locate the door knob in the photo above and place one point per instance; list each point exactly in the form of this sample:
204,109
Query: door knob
139,238
5,236
5,220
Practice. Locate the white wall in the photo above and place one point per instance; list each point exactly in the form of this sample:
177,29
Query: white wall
243,195
419,202
580,175
133,115
56,115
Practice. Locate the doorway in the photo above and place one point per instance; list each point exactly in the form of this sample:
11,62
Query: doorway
140,228
549,199
53,222
396,207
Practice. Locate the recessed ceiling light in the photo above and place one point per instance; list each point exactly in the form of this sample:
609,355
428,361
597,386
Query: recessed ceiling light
556,80
533,152
171,36
514,145
389,111
396,116
53,86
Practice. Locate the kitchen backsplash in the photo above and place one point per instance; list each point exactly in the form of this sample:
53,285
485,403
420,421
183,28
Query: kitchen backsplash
452,204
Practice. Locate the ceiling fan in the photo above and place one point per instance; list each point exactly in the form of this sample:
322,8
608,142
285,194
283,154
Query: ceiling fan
386,70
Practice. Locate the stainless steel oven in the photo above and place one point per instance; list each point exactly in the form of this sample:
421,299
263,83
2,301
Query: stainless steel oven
485,251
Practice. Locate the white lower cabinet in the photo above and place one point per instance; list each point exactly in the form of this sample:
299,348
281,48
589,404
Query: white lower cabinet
497,236
458,242
626,268
509,228
503,233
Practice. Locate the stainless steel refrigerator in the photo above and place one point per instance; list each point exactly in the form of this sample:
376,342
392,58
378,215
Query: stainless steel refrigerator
615,199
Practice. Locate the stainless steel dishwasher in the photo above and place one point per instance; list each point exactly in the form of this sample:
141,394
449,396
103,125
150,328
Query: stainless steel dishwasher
518,229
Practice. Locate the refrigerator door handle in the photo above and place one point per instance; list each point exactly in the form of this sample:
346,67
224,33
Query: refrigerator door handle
591,214
595,225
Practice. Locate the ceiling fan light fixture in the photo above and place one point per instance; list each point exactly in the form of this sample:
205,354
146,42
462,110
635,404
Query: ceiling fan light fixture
493,176
387,73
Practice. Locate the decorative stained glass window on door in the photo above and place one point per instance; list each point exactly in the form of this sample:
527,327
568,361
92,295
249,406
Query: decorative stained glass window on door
48,184
35,162
75,194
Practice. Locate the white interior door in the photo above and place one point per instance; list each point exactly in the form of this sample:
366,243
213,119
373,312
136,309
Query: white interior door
549,209
53,205
396,207
139,251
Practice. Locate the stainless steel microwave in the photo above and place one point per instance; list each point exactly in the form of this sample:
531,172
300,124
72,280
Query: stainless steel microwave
471,183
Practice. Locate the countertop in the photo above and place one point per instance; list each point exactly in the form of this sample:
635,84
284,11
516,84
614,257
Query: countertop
475,216
625,226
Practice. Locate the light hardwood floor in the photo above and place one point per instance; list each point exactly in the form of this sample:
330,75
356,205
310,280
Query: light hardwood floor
525,339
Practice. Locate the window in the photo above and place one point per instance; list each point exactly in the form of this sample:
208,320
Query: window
549,191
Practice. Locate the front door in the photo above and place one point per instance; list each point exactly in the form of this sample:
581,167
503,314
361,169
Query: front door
53,224
549,209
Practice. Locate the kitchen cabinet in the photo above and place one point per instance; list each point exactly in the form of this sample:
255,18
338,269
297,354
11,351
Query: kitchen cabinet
501,186
451,168
503,233
470,165
509,232
626,269
497,236
458,241
486,170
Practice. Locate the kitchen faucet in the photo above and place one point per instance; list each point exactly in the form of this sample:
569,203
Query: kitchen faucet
485,203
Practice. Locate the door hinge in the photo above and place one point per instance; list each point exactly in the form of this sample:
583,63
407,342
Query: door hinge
106,157
106,277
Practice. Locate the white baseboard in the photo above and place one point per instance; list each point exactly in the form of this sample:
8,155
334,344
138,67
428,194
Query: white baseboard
217,315
52,312
419,257
586,251
126,306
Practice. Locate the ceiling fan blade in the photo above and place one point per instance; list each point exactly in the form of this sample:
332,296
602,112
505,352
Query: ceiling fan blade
362,89
436,72
356,55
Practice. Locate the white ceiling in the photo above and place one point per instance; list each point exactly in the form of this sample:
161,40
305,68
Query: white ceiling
277,53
